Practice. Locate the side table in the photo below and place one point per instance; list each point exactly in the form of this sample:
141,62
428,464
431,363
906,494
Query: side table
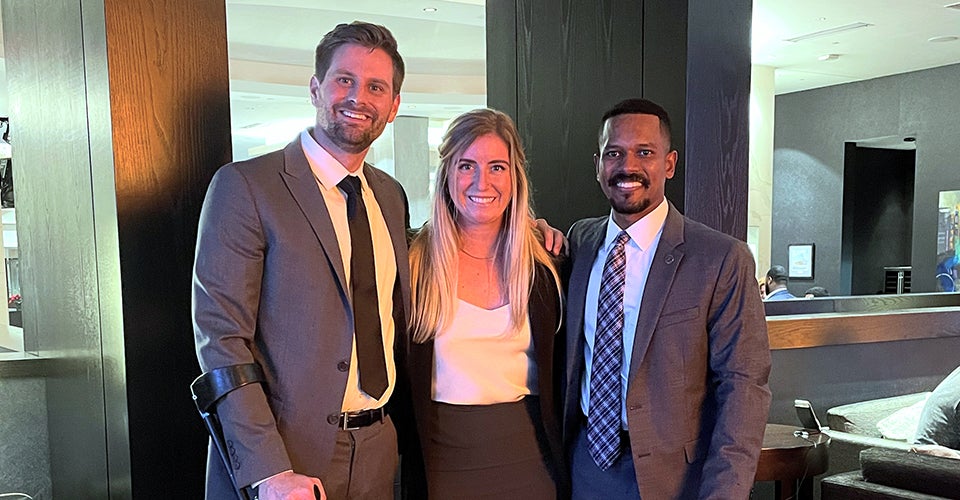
788,460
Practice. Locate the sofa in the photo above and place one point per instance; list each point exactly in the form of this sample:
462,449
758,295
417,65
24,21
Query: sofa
883,423
895,474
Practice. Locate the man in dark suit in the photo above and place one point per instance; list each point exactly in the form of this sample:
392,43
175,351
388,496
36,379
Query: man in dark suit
665,393
277,281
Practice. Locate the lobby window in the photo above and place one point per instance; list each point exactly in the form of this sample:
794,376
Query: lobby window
271,49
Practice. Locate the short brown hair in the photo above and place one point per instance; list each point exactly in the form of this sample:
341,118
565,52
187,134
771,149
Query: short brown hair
372,36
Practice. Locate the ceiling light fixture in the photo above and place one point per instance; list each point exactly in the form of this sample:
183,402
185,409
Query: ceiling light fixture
829,57
828,32
953,6
429,9
945,38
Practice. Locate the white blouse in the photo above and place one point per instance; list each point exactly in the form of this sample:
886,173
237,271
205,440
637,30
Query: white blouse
479,361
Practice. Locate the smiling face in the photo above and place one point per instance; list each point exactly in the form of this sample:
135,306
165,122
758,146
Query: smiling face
355,100
633,166
481,183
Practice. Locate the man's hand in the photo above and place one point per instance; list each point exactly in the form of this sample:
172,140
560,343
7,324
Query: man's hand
936,450
553,239
291,486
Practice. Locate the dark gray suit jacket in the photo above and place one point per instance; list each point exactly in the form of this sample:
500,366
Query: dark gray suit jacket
269,287
697,396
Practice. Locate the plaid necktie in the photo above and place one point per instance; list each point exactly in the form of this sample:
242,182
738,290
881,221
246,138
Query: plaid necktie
603,424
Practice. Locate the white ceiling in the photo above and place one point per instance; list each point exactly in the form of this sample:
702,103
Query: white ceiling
896,41
271,49
272,41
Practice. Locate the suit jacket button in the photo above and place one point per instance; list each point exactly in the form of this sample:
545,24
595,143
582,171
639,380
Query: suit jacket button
333,419
669,259
343,366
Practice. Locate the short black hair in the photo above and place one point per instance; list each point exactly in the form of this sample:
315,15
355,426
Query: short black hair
817,291
777,273
640,106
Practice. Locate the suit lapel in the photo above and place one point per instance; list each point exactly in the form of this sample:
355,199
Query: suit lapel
304,189
586,252
663,269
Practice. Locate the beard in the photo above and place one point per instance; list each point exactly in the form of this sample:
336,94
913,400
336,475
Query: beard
627,205
348,137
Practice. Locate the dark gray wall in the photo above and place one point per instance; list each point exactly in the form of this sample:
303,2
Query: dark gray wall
810,130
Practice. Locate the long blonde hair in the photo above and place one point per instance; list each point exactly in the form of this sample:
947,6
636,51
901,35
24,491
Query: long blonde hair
434,251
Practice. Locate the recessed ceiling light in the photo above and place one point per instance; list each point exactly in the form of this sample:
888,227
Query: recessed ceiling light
829,57
429,9
945,38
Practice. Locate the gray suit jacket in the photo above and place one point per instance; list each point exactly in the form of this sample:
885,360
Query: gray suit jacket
269,287
697,396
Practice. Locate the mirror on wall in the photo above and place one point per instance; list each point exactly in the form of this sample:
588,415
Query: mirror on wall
852,142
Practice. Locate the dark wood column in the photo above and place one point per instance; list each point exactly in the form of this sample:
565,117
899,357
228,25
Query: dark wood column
718,114
556,65
170,123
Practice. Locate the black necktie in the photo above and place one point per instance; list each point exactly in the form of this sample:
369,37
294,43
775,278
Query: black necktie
363,285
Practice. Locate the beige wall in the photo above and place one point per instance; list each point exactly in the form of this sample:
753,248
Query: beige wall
760,199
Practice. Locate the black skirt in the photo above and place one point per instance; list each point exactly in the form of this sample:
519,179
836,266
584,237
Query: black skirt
488,451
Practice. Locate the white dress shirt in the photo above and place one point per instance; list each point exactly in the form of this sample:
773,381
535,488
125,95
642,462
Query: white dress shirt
644,239
329,172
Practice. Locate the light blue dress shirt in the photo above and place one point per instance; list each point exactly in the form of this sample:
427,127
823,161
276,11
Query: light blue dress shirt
644,239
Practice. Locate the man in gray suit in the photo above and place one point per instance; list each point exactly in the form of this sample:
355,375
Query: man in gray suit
665,393
277,282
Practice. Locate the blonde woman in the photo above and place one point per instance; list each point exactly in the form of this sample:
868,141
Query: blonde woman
487,307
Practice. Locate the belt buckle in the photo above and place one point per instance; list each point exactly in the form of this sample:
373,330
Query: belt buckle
368,413
346,422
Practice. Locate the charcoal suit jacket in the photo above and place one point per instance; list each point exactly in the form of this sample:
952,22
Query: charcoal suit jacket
269,287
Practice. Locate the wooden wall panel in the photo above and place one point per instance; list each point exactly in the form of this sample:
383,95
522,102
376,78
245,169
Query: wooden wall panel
571,60
718,114
665,77
169,101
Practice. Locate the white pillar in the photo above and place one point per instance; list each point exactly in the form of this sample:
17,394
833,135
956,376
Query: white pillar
760,200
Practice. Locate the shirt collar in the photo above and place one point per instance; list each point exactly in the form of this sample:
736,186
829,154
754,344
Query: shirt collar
644,231
327,169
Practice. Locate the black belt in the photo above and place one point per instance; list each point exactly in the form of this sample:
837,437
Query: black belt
357,419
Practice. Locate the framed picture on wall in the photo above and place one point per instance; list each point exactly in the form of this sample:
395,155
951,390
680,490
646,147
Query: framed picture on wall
800,261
